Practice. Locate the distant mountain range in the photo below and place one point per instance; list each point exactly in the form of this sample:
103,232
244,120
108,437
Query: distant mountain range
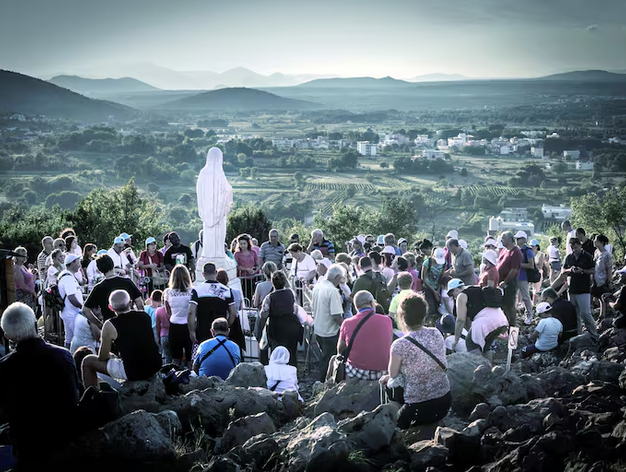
438,78
236,99
24,94
587,76
101,86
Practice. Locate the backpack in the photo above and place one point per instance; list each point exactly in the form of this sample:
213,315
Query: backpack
492,297
380,291
52,297
533,274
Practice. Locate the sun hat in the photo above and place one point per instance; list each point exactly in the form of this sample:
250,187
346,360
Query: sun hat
126,236
388,250
521,234
543,307
491,242
69,258
119,240
440,256
453,234
150,240
491,256
454,283
534,242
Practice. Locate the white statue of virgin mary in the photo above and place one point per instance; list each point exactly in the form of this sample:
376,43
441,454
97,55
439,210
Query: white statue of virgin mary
215,197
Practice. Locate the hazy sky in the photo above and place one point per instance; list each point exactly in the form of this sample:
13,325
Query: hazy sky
401,38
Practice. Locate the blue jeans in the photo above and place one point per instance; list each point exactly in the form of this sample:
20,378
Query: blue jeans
582,302
7,459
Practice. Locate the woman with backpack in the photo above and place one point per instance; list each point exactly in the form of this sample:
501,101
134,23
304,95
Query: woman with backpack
418,365
433,275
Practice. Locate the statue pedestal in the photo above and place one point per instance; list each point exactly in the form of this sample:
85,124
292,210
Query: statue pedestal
225,263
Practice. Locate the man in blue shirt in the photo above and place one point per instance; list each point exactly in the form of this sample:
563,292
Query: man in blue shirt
217,356
528,262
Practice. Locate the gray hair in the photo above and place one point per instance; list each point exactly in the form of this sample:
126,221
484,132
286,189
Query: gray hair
335,271
19,322
317,232
220,325
46,238
268,269
508,235
119,300
363,298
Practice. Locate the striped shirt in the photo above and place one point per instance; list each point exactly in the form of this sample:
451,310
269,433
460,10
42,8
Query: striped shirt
41,266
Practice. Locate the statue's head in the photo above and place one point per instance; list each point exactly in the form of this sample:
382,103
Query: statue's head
214,156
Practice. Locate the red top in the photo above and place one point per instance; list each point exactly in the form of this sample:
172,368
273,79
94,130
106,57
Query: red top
371,347
157,258
246,261
489,274
507,260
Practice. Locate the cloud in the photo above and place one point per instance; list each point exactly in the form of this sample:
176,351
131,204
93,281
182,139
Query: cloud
593,28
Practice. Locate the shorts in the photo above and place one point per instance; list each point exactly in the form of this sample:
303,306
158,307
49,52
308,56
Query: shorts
180,342
115,369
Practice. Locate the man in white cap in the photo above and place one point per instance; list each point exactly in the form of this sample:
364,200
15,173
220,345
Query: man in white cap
547,332
403,245
479,311
452,234
523,284
120,261
70,290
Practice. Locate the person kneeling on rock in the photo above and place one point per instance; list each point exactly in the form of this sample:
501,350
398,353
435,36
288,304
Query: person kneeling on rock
217,356
280,375
546,333
418,361
478,310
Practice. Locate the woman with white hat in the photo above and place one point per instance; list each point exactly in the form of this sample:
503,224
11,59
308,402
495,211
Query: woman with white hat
489,276
540,263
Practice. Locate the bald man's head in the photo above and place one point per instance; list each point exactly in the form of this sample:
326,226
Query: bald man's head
119,301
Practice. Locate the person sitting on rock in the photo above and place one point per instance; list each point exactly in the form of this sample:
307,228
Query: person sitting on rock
420,356
35,372
280,375
546,333
369,346
134,338
217,356
478,310
564,311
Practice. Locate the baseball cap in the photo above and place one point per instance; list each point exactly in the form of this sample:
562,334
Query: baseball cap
521,234
453,234
126,236
294,236
463,243
102,251
402,240
69,258
534,242
381,240
150,240
455,283
326,262
491,256
119,240
543,307
388,250
440,256
490,242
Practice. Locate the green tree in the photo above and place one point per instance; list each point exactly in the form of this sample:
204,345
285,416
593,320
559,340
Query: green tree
247,219
345,222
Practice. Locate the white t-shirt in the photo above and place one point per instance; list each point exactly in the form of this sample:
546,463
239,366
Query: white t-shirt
388,273
119,260
82,335
326,302
77,251
68,285
549,330
305,266
570,235
51,278
553,253
92,274
179,304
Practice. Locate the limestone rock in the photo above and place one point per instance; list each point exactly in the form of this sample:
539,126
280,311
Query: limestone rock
248,374
242,429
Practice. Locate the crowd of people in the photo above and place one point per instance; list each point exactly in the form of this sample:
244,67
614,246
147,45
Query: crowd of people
390,313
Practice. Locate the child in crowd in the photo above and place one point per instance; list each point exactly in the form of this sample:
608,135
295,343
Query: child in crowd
162,330
152,307
547,332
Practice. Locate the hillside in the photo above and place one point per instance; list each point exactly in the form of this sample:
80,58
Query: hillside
25,94
237,99
438,78
587,76
101,86
356,82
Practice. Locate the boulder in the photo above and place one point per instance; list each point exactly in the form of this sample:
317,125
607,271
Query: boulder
222,464
529,415
143,395
201,383
169,422
427,454
260,450
622,380
463,447
347,399
480,411
371,430
242,429
605,371
292,405
558,381
461,367
248,374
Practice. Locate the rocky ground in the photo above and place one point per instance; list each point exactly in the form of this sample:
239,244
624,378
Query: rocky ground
557,411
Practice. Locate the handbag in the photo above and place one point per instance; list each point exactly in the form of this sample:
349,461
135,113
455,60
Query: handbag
159,279
337,366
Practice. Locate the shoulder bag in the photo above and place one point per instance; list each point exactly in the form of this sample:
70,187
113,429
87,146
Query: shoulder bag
159,279
337,366
426,351
533,274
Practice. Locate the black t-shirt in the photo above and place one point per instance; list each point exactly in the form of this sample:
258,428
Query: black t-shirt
579,283
182,252
565,312
589,247
99,296
213,300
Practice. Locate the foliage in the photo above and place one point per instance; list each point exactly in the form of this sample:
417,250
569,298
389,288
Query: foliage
249,219
407,165
343,224
604,214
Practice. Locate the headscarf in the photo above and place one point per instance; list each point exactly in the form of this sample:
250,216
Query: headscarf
278,368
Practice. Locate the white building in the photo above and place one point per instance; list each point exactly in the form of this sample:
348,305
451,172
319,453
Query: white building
574,154
580,165
537,152
282,143
424,140
559,213
365,148
442,144
498,225
458,141
433,154
514,214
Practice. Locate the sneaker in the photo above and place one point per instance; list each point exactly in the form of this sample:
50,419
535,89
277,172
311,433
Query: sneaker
528,320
